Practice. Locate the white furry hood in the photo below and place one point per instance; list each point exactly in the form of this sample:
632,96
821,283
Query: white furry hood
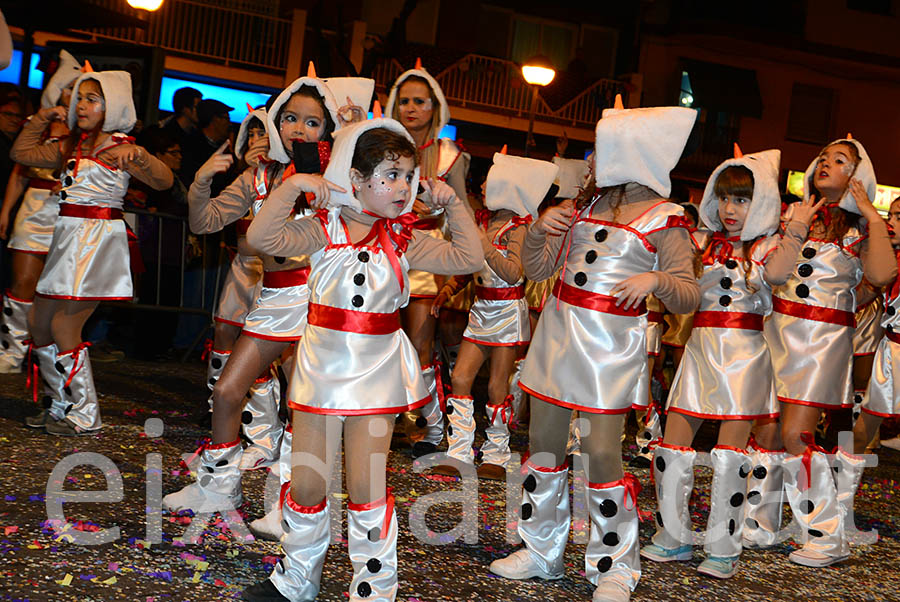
573,174
116,85
277,151
865,173
68,71
338,170
435,87
641,145
518,184
765,206
243,132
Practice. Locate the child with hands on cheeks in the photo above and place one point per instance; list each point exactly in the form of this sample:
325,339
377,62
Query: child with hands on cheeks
810,336
355,369
726,371
88,259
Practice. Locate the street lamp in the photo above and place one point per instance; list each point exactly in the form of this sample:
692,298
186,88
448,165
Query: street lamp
145,4
538,72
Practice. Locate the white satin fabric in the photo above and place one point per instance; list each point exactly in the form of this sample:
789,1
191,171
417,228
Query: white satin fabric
348,373
460,428
15,333
815,505
868,330
262,425
813,359
726,373
298,574
765,497
36,218
431,411
883,391
217,361
612,552
727,497
79,397
279,314
591,360
673,475
373,553
88,258
848,471
52,379
501,322
544,516
240,290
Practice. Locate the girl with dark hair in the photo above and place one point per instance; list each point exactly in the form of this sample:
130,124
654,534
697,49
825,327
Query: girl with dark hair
355,369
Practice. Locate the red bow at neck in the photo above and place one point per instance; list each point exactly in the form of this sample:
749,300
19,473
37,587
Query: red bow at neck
392,240
720,249
824,213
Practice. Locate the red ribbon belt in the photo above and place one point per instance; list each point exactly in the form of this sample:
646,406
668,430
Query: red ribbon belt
728,319
89,212
500,294
892,336
595,301
655,317
286,278
814,312
348,320
42,184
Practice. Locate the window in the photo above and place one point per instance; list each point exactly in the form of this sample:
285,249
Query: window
811,112
554,40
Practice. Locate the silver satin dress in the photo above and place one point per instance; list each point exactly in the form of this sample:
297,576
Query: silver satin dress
240,290
279,311
883,393
868,331
810,331
726,371
346,366
590,359
498,322
36,218
88,258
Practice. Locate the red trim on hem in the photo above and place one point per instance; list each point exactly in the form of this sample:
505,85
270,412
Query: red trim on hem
673,345
572,406
368,506
14,298
883,415
731,448
607,485
229,322
852,456
335,412
28,252
681,448
268,337
416,296
653,353
757,447
224,445
486,344
221,351
815,404
724,416
637,406
290,503
867,353
529,464
72,298
451,396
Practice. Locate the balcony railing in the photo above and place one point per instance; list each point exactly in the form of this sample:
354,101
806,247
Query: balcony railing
237,37
496,85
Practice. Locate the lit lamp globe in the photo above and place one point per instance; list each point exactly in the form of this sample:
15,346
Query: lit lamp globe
538,71
145,4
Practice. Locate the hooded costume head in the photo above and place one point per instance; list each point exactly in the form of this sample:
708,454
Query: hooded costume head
765,205
338,170
573,174
864,172
641,145
358,89
443,107
116,85
518,184
68,71
277,151
244,133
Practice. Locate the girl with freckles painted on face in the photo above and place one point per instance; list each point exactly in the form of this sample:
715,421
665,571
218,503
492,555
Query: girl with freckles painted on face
726,371
88,259
300,122
810,334
355,369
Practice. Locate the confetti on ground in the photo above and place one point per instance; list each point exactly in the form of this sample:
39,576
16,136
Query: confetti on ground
38,562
